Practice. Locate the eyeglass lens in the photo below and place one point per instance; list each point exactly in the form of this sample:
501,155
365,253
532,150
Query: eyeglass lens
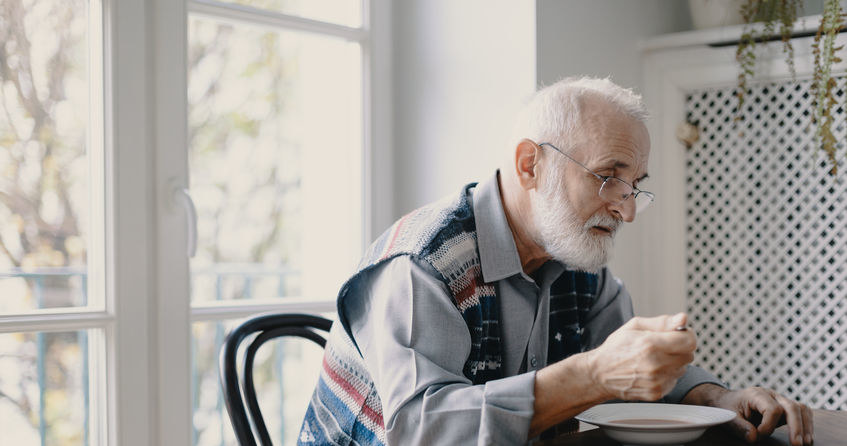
615,190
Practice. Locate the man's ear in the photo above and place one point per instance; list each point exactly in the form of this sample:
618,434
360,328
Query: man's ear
526,162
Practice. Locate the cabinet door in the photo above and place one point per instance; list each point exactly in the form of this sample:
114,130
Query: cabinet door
749,228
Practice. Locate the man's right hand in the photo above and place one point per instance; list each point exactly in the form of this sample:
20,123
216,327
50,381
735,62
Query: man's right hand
644,358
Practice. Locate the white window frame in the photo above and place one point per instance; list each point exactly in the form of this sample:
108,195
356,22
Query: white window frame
140,368
130,230
174,314
99,314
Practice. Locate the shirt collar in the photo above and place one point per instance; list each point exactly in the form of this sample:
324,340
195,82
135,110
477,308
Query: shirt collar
498,254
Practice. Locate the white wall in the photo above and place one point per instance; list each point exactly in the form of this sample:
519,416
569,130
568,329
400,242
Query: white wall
461,70
600,37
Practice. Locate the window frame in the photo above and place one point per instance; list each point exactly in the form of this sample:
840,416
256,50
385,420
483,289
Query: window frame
140,350
98,316
175,313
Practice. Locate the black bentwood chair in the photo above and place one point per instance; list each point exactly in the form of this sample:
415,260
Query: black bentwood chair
239,391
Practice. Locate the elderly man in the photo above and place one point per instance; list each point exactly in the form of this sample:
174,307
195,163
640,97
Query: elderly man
490,318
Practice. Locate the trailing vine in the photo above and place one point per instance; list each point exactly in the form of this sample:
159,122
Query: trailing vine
784,13
823,83
770,13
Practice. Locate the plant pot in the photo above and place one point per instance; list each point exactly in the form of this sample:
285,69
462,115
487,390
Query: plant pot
714,13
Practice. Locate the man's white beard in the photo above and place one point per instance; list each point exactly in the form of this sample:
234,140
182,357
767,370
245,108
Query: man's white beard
560,233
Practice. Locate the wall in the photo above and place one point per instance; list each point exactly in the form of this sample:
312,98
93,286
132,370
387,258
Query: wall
461,68
600,37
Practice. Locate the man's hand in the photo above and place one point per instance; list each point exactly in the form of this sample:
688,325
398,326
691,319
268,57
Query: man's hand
640,361
644,358
759,410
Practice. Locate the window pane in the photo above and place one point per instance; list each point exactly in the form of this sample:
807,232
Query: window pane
44,185
44,388
275,161
342,12
285,374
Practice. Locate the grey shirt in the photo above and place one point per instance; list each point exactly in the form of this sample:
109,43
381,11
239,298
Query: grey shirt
415,342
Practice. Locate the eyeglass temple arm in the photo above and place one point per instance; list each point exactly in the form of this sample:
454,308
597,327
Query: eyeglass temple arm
599,177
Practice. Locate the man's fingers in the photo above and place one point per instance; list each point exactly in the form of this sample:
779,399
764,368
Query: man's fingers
771,415
658,323
678,321
794,418
774,410
743,429
809,425
673,342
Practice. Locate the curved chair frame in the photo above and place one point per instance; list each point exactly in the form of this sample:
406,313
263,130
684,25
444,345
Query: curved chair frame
240,390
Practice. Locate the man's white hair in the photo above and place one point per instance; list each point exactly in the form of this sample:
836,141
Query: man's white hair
554,113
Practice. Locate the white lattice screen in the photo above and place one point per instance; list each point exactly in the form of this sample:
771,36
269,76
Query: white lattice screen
767,244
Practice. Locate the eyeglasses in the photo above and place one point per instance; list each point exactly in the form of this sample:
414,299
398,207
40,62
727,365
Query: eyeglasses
614,190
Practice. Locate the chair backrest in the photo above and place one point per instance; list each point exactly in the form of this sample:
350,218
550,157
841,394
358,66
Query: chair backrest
240,391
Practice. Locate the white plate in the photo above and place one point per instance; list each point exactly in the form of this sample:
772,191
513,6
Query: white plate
654,423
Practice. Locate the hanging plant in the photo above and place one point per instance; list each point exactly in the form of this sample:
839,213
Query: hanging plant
823,83
771,13
784,13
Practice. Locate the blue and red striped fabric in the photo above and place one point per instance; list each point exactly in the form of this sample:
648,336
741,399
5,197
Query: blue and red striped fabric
345,408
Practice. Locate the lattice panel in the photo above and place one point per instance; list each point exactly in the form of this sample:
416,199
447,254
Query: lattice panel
767,244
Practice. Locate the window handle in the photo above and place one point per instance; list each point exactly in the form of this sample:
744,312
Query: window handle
182,197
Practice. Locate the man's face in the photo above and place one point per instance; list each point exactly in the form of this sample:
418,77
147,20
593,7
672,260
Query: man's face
573,224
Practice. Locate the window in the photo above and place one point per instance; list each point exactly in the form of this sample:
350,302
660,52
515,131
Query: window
116,116
53,317
275,119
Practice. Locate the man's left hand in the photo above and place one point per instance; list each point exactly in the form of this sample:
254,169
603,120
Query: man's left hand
760,411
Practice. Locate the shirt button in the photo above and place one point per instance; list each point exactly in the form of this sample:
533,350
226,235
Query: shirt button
533,362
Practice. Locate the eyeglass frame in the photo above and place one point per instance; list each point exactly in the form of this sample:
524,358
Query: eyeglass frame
605,178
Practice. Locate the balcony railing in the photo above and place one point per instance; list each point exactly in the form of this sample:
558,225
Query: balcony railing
37,278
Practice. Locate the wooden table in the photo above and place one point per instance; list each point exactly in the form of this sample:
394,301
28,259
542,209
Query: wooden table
830,430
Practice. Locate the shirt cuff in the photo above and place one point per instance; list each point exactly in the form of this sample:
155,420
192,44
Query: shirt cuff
507,409
694,376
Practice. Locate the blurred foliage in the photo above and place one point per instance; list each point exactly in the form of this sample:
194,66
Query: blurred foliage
240,87
241,90
43,204
43,125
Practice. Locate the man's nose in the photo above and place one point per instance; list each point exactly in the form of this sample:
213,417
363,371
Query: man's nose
625,210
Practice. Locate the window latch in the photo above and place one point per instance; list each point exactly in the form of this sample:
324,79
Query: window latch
182,197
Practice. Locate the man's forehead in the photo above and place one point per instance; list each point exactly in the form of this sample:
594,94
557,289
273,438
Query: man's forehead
621,160
623,146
